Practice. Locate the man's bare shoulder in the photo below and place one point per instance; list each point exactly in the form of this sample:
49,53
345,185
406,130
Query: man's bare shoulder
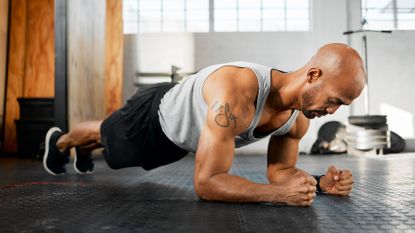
234,82
232,89
300,127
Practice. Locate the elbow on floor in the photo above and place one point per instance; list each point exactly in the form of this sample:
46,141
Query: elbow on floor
202,191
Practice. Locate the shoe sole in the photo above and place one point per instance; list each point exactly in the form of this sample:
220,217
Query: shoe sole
76,169
45,156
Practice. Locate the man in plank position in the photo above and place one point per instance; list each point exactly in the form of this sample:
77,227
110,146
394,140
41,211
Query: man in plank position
221,108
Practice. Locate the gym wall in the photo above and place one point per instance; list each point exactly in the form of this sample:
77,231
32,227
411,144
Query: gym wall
86,49
130,65
114,49
390,69
31,59
94,45
158,51
4,14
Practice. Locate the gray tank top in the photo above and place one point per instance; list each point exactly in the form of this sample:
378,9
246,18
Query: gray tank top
182,111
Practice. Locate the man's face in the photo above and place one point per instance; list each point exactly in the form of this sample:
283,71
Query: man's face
308,100
326,93
318,101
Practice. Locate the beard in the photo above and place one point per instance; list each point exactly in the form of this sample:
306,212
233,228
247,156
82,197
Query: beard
311,114
308,100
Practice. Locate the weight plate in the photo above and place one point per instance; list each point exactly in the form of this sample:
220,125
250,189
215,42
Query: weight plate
371,121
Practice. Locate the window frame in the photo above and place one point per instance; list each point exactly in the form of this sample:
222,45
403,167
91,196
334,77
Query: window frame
395,17
263,22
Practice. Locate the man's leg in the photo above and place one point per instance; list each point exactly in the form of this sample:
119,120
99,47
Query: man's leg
85,137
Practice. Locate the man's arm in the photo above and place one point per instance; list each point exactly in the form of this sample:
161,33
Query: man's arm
214,158
283,154
227,117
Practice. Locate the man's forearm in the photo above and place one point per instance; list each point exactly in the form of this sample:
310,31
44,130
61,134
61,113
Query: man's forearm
279,176
230,188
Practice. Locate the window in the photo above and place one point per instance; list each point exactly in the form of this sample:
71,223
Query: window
261,15
141,16
130,16
388,14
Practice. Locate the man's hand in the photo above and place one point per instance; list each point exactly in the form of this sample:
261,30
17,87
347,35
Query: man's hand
337,182
298,189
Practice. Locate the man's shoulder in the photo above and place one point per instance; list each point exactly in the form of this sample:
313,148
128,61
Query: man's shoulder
235,82
233,90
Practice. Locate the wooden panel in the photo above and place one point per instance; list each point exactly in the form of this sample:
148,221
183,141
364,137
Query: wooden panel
4,11
113,56
86,49
39,71
31,59
16,72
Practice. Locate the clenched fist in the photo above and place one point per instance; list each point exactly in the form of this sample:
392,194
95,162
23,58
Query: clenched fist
337,182
298,189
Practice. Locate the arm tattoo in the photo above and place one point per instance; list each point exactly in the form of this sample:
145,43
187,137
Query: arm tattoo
223,117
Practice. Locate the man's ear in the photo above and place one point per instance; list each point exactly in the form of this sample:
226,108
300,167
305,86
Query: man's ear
313,74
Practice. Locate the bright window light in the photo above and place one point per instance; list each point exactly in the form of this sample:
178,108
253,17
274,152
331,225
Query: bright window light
152,16
261,15
388,14
399,120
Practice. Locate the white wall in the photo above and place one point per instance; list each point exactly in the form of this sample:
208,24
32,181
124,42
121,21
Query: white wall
157,52
284,50
3,50
390,57
391,71
130,65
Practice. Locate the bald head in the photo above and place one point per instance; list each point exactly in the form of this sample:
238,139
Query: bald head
335,76
339,61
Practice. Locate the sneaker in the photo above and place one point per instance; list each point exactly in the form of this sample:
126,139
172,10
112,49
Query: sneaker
83,164
53,160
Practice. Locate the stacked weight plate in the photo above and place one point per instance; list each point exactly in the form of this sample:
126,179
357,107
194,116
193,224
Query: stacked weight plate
368,134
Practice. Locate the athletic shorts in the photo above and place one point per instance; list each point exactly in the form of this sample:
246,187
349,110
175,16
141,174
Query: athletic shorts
132,136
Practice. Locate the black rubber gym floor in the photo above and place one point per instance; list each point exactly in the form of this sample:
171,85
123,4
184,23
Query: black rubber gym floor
162,200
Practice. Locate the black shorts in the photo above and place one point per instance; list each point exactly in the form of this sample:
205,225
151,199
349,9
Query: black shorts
132,136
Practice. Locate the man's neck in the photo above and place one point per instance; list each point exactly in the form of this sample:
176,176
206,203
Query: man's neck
284,90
